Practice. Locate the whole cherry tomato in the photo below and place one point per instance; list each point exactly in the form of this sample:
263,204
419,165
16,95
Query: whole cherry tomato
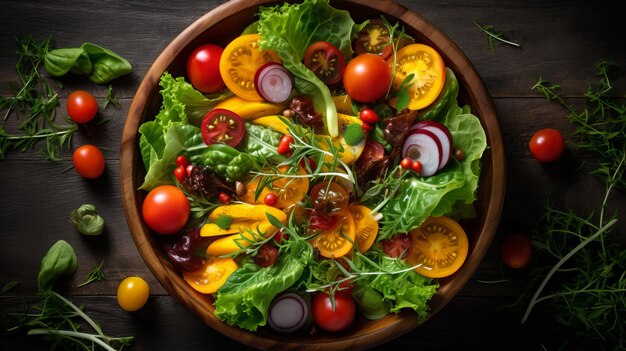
166,209
203,69
88,161
367,78
547,145
333,318
81,106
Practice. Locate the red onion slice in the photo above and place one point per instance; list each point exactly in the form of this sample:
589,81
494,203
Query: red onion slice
444,136
423,146
288,313
273,82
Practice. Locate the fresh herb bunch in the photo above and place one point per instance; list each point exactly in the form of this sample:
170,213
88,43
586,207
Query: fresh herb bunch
586,281
96,274
62,322
36,100
600,124
494,38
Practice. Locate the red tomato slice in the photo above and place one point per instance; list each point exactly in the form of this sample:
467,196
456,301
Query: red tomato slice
222,126
326,61
373,39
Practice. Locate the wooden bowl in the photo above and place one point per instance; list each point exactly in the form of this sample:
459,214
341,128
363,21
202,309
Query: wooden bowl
222,25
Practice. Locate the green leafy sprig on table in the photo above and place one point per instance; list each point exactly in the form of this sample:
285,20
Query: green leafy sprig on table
34,98
494,38
96,274
586,284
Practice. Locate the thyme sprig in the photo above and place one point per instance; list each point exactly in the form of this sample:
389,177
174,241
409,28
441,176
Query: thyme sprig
111,98
36,100
96,274
494,38
62,321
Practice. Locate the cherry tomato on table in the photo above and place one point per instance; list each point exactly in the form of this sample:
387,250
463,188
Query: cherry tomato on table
222,126
88,161
203,69
367,78
333,319
516,251
326,61
166,209
81,106
132,293
547,145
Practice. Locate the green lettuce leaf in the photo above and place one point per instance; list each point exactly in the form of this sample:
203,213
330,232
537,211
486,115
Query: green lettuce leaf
247,294
289,29
261,143
179,140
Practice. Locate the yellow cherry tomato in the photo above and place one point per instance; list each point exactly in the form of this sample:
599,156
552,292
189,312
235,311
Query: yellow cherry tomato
239,63
338,241
366,227
212,275
429,74
132,293
440,245
288,190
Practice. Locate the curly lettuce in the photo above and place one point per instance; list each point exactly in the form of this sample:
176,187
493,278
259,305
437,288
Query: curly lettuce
289,29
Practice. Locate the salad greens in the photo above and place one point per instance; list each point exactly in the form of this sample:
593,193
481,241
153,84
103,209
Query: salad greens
289,29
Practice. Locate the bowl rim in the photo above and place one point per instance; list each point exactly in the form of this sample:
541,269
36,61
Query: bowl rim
397,324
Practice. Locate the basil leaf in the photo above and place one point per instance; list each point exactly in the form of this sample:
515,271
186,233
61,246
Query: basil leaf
82,65
60,260
59,62
107,65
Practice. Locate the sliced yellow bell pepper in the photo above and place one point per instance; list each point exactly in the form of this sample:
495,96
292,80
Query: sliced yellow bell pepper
249,110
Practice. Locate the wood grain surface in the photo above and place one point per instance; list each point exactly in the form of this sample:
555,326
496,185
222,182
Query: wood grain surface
560,41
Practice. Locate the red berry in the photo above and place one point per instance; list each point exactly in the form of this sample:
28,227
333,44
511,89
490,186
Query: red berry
366,128
416,166
189,168
406,163
369,116
182,161
284,145
180,174
270,199
224,198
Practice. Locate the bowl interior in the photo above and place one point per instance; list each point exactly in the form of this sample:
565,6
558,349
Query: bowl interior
222,25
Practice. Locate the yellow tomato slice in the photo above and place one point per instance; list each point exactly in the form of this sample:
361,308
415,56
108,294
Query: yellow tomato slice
239,63
212,275
366,227
428,71
288,190
440,245
339,240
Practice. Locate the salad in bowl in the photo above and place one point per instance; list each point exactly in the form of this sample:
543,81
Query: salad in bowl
311,174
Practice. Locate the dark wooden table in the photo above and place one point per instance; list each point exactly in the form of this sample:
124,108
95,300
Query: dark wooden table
560,41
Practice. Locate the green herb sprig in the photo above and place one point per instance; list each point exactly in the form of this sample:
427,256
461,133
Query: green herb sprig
96,274
111,98
494,38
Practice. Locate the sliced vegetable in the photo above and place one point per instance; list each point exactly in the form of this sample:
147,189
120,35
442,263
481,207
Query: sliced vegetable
373,39
425,147
428,71
326,61
288,191
212,275
440,247
288,313
443,134
366,227
273,82
248,110
338,241
240,61
222,126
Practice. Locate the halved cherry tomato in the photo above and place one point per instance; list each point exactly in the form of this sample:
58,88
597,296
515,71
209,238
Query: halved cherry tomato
440,245
239,63
366,227
318,221
326,61
373,39
288,190
367,78
398,245
212,275
339,240
222,126
328,198
429,73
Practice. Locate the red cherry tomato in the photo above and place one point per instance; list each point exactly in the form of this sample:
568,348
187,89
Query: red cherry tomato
400,244
222,126
367,78
547,145
516,251
224,198
416,166
366,128
182,161
369,116
328,198
266,255
326,61
333,319
373,39
284,145
88,161
203,69
318,221
270,199
166,209
81,106
180,173
406,163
